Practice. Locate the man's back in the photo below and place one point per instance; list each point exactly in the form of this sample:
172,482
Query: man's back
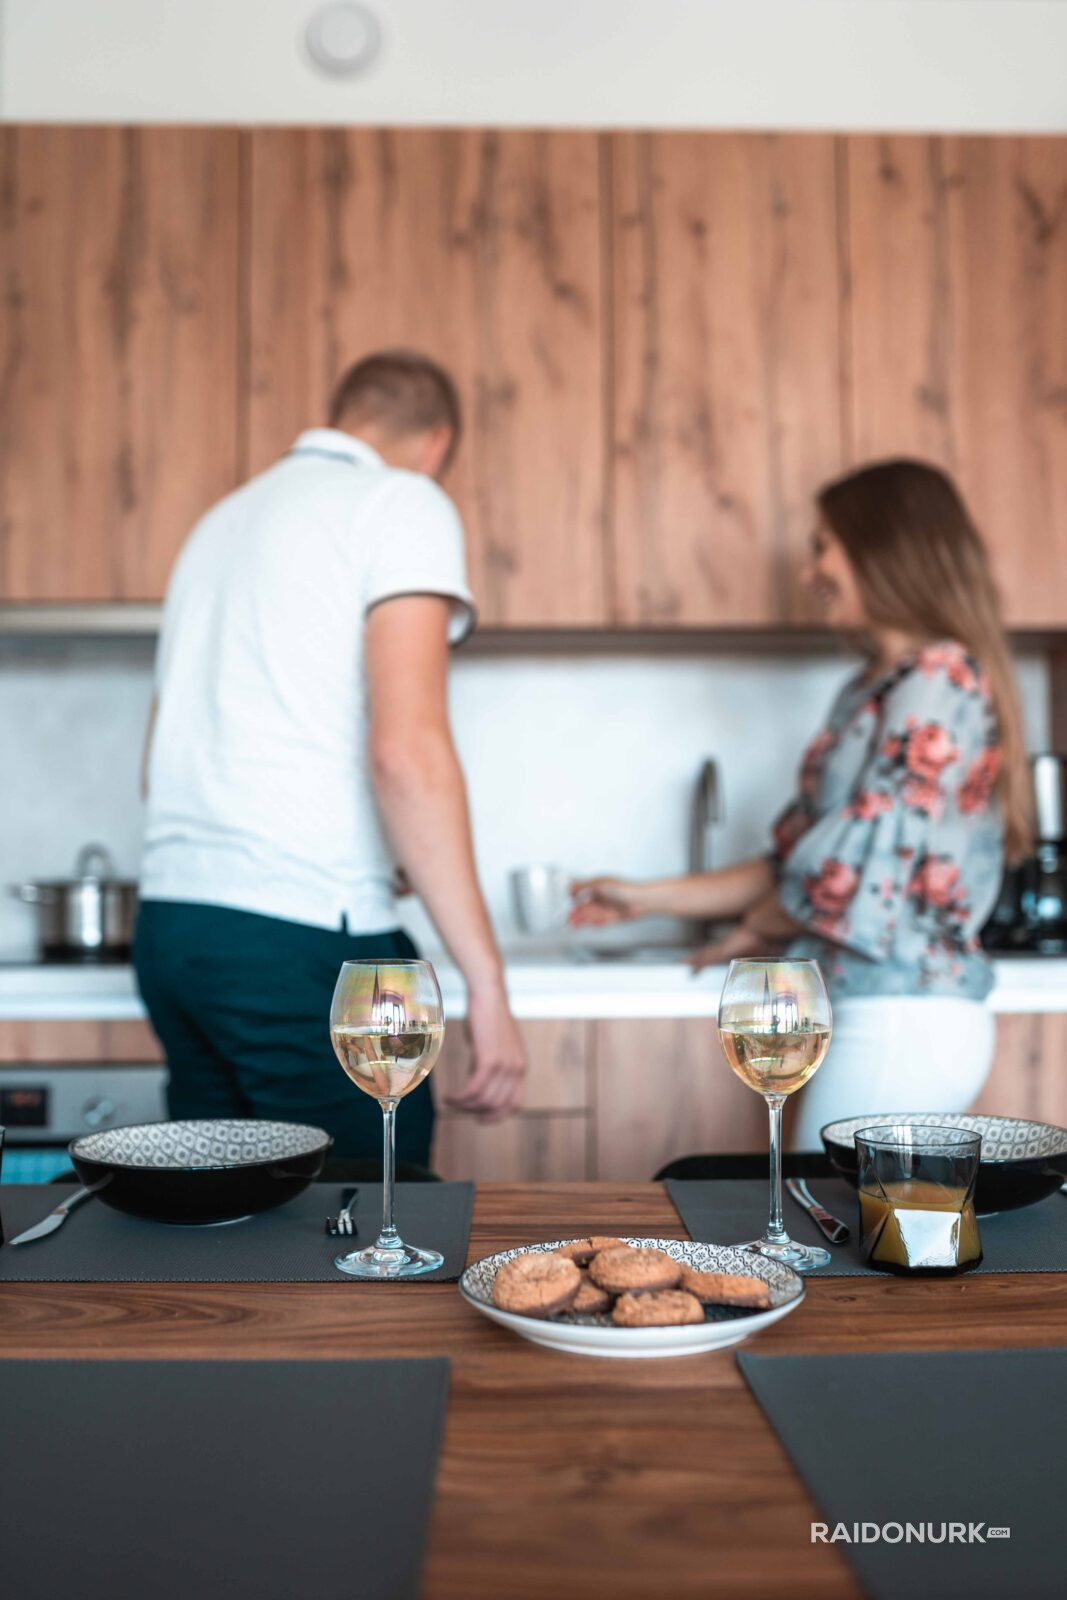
258,791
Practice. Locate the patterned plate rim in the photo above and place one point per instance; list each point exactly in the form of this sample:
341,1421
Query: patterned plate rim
949,1119
598,1323
322,1142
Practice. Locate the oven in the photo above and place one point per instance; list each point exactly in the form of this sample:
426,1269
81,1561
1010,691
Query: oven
43,1107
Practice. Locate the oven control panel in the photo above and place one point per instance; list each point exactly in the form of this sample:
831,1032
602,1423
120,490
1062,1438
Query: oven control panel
49,1104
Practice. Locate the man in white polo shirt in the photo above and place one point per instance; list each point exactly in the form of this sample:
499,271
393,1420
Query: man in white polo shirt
300,746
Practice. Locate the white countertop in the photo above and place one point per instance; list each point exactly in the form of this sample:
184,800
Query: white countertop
542,981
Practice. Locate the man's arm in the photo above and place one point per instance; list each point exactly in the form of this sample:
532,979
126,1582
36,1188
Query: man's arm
146,753
423,802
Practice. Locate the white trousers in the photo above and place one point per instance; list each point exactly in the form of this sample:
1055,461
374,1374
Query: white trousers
896,1053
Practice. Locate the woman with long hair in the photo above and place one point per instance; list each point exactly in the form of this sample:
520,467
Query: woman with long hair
887,861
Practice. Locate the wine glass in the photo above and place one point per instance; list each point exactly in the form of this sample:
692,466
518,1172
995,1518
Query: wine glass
387,1026
774,1024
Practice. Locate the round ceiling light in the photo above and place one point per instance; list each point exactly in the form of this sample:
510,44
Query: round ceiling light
343,38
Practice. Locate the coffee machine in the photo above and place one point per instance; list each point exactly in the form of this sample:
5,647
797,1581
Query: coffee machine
1030,916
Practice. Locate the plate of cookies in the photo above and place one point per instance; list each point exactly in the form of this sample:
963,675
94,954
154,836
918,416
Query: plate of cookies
602,1296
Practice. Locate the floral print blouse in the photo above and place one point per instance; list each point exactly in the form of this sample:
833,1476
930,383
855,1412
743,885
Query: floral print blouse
892,853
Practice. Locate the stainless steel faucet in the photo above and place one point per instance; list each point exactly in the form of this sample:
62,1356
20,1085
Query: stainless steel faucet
705,814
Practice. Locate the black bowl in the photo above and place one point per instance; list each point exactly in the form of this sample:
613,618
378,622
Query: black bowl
1021,1161
203,1171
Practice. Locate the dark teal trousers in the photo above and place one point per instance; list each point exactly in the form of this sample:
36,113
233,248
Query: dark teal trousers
241,1004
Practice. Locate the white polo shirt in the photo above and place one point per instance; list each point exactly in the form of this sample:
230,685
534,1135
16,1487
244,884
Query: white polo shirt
259,796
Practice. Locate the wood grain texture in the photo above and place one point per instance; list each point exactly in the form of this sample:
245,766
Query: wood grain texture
957,336
561,1477
532,1147
559,1060
663,1090
1028,1077
727,401
483,250
551,1139
58,1040
118,353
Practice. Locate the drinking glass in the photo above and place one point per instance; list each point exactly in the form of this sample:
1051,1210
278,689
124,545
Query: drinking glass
387,1026
916,1193
774,1024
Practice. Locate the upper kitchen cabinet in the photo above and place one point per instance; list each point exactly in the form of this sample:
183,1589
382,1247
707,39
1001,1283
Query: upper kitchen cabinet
726,371
957,332
482,249
118,348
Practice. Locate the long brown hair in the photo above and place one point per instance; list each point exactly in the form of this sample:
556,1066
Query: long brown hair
921,566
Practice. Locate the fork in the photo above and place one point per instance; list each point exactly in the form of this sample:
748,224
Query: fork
343,1223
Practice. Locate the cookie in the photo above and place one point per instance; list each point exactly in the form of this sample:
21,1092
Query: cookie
590,1298
582,1251
625,1267
536,1284
668,1308
726,1289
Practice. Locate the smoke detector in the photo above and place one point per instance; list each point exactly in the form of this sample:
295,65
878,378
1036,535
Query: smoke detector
343,38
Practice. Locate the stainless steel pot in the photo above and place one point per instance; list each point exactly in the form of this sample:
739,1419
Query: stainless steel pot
89,917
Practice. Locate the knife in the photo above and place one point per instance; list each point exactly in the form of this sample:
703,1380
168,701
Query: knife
55,1219
828,1226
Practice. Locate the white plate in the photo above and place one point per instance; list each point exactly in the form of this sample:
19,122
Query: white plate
598,1335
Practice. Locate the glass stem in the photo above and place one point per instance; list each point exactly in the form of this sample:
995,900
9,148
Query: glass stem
776,1233
388,1239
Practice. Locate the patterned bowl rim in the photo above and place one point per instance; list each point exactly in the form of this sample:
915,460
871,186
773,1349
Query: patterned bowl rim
948,1119
788,1280
322,1142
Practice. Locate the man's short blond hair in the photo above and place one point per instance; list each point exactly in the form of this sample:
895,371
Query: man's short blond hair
400,390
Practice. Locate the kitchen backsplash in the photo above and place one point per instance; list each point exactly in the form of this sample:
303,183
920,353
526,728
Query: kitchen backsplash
585,761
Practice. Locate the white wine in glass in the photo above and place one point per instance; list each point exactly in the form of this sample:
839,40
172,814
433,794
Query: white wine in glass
387,1027
774,1025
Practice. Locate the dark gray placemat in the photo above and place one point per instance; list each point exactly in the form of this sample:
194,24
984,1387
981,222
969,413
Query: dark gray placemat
289,1245
731,1210
259,1480
936,1437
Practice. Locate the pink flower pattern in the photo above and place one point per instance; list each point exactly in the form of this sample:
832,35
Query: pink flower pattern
891,854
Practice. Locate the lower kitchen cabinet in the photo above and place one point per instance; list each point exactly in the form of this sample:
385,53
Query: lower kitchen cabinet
74,1039
534,1147
552,1137
606,1099
1029,1076
664,1089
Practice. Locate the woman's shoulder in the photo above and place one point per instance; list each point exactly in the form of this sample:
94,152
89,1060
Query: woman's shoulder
945,666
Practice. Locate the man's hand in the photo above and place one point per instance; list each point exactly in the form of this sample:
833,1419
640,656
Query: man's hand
498,1072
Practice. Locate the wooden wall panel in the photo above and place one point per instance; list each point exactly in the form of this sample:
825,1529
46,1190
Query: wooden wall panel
957,336
118,399
483,249
663,1090
726,356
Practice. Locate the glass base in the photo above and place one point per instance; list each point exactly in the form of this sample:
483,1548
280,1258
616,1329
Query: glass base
393,1261
801,1257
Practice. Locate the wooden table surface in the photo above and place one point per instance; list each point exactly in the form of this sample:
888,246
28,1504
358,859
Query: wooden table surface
565,1476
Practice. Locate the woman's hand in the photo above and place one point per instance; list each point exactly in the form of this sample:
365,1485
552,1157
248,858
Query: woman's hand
599,902
739,942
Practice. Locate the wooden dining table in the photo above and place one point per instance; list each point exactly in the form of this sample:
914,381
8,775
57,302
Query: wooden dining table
567,1477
